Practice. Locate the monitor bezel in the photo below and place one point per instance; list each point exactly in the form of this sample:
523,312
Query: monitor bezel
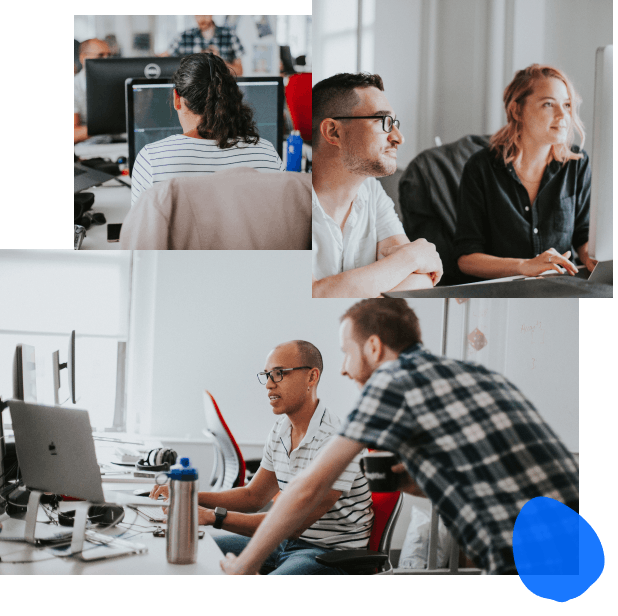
98,125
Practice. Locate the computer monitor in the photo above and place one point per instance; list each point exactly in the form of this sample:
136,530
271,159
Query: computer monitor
105,79
69,365
24,373
151,115
600,244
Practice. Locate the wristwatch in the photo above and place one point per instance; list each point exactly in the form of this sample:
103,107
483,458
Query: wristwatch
220,514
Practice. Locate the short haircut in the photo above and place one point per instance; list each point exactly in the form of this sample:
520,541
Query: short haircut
309,355
335,96
392,320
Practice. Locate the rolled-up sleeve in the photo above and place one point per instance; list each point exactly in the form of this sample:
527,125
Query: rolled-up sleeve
387,221
471,233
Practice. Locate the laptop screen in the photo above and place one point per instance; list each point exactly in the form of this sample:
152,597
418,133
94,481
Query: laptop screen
151,115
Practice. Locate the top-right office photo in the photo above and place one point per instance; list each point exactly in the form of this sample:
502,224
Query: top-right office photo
462,148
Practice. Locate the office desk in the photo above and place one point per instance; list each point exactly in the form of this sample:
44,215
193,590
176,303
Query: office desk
152,562
111,199
548,286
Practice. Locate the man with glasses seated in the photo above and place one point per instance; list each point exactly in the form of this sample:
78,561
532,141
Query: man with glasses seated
304,426
359,246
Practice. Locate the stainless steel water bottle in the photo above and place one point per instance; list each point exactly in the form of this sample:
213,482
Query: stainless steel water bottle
182,514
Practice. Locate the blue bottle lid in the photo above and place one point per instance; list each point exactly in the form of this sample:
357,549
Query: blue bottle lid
182,471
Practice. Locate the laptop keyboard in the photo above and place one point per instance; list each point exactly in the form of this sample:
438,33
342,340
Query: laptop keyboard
78,171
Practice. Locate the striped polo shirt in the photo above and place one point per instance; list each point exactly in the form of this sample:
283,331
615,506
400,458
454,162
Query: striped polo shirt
179,155
348,523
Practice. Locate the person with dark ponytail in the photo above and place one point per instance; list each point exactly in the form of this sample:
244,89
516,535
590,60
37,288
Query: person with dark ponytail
219,131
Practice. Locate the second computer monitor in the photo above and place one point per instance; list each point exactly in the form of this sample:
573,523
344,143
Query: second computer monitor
24,373
601,193
151,115
105,88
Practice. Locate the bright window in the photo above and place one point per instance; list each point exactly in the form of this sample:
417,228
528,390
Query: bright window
46,295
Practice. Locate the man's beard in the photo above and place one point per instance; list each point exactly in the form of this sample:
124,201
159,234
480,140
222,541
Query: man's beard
368,167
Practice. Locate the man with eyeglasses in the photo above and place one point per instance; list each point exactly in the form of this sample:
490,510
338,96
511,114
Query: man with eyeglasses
304,426
359,246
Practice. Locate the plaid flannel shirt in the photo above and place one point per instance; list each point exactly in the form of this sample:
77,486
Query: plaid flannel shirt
192,41
471,441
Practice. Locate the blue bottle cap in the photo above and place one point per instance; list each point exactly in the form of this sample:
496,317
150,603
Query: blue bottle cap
182,471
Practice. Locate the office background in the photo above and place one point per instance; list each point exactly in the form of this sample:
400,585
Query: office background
206,320
445,63
145,35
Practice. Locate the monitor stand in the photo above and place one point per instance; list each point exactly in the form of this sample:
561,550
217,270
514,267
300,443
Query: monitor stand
79,528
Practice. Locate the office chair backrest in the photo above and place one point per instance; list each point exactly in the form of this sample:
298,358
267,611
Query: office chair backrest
233,462
386,508
298,97
245,210
428,197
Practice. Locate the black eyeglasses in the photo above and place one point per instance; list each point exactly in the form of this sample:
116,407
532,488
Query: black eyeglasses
277,375
387,121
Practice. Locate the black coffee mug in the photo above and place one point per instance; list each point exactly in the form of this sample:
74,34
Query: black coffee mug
376,466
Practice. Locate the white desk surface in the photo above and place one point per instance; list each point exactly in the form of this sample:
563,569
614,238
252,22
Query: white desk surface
154,562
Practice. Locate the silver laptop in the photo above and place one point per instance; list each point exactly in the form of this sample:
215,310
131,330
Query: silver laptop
85,177
55,450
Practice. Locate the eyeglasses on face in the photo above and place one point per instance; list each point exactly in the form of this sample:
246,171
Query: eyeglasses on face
387,121
277,374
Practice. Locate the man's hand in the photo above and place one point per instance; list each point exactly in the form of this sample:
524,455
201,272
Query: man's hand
549,260
158,490
405,482
230,567
205,516
423,254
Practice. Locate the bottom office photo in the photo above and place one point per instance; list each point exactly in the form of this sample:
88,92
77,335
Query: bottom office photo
199,413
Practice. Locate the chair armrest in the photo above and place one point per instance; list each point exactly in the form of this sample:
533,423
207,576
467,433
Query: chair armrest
346,558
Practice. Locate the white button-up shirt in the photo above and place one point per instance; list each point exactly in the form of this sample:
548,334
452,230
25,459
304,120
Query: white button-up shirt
372,219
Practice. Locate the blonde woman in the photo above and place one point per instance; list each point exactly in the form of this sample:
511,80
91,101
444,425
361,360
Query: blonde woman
524,201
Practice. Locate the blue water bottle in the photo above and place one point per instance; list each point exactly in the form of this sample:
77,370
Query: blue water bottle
294,151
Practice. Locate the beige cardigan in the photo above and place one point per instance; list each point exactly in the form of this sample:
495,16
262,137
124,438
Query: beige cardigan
237,209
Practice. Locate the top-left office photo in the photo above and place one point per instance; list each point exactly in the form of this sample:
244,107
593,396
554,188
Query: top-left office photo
192,132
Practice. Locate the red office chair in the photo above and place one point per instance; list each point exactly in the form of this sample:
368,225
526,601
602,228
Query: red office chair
298,97
229,467
386,508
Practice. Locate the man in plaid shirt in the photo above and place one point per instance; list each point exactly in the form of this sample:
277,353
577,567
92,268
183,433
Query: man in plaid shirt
475,446
208,36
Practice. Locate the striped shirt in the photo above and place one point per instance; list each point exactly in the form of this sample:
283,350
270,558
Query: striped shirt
179,155
348,523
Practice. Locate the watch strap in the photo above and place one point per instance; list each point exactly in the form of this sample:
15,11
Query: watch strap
220,514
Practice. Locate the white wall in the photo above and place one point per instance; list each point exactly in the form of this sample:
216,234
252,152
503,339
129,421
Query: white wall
208,320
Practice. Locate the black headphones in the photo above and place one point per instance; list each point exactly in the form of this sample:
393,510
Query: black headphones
105,515
159,459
